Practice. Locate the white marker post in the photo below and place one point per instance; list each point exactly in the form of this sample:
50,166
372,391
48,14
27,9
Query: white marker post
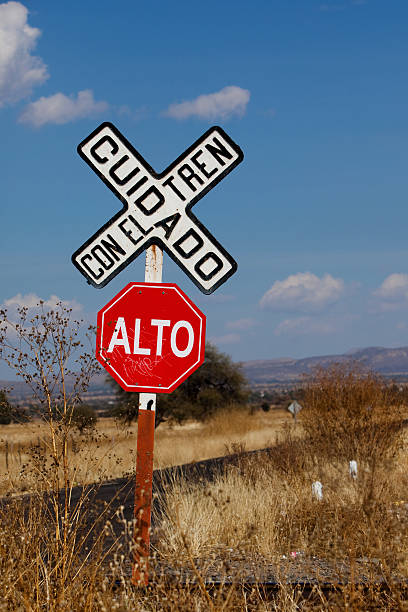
145,447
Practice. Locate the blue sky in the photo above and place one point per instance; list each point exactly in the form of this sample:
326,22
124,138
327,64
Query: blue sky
314,93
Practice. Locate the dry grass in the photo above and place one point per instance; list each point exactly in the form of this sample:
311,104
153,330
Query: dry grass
257,512
260,509
110,451
254,507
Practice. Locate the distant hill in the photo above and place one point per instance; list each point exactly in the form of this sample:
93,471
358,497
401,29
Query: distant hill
391,363
99,389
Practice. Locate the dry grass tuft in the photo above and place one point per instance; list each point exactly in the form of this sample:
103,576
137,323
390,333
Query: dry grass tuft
254,507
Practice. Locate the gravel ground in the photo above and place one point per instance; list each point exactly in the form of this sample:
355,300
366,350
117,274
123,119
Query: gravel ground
242,568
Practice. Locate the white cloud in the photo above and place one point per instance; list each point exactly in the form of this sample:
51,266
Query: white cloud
60,108
20,71
394,287
303,292
392,294
301,326
241,324
226,339
221,104
31,300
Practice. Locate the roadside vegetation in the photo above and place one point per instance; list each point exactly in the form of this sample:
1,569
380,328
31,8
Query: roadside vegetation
107,450
257,518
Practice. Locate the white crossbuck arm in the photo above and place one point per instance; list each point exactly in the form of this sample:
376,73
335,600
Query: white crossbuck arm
157,207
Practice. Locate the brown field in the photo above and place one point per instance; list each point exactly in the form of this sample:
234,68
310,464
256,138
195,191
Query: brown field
110,451
257,518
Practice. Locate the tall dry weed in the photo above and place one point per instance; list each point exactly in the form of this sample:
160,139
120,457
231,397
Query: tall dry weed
350,413
42,346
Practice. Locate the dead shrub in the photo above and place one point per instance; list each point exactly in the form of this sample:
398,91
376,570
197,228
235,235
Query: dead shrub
291,456
350,413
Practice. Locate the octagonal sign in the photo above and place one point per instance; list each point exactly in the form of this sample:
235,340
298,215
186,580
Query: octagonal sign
150,337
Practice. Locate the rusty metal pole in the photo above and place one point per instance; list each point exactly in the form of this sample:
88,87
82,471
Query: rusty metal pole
145,447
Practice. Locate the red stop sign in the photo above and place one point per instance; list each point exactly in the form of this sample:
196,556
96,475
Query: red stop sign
150,337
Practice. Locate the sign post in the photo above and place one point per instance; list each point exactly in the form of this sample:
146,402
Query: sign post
144,454
150,336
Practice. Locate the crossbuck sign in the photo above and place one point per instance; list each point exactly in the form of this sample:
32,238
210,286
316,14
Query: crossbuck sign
157,207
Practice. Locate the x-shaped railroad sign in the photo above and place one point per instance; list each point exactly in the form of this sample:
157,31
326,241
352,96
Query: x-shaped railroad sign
157,207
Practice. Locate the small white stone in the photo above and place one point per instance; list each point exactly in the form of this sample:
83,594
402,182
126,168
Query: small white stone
317,490
353,468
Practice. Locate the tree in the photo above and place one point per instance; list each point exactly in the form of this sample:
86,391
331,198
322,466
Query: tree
8,412
84,418
216,384
6,409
